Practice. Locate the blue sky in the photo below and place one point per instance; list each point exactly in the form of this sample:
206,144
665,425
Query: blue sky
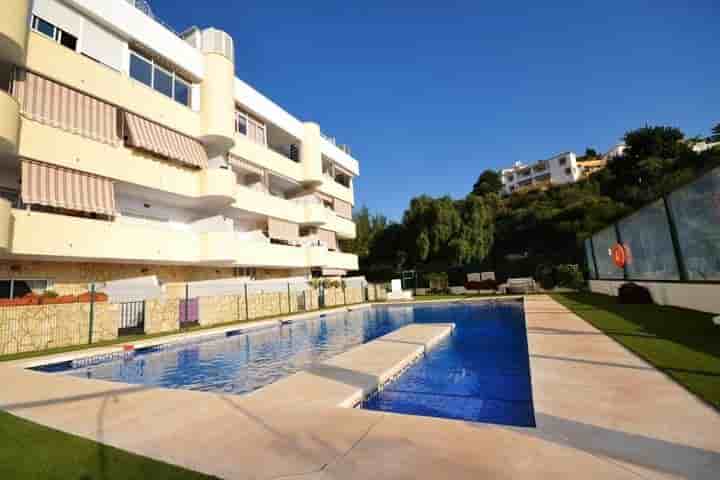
429,94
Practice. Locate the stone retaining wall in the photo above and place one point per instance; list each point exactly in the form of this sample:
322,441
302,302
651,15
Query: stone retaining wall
40,327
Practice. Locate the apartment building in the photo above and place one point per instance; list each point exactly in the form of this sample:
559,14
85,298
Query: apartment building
127,149
560,169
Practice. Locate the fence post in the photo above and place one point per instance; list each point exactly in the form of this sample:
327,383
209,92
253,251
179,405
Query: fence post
682,268
247,307
594,258
92,312
187,304
288,297
342,283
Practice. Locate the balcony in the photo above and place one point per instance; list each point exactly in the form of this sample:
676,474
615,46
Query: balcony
63,65
255,254
267,158
322,257
345,229
9,124
54,235
212,187
263,203
14,28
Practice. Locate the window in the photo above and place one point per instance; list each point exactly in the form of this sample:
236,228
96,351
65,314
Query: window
182,92
169,83
17,288
163,82
140,69
568,171
240,123
60,36
563,161
251,128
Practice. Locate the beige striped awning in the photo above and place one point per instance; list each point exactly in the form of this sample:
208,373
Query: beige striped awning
52,186
246,166
324,198
343,209
155,138
45,101
329,238
283,230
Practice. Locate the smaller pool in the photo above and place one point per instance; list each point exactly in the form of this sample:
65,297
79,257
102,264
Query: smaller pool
480,373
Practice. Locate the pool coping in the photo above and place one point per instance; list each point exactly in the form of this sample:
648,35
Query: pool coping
601,411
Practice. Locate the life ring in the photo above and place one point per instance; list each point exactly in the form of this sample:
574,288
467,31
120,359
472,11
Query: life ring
619,255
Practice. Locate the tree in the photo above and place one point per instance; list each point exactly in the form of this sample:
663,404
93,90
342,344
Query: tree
660,142
591,153
715,137
488,182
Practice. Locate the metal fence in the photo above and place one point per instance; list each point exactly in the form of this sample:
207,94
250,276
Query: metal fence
674,239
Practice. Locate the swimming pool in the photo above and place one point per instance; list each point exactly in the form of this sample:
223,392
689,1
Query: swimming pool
479,373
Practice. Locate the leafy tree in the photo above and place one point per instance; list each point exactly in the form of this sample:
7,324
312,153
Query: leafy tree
488,182
659,142
591,153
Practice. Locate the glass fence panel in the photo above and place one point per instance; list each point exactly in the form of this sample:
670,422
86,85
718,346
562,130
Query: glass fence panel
696,212
648,243
603,243
589,259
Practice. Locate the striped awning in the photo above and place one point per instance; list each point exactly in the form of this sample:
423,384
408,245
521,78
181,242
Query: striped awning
155,138
45,101
343,209
328,237
324,198
282,230
52,186
247,166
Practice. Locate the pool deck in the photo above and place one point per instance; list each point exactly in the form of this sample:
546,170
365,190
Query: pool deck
601,413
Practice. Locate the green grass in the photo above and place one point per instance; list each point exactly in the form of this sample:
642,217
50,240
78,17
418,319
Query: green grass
685,344
31,451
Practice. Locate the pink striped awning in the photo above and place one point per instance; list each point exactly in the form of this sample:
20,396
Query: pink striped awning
343,209
324,198
282,230
45,101
52,186
328,238
154,138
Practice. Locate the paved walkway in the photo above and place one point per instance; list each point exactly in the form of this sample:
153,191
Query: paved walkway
601,413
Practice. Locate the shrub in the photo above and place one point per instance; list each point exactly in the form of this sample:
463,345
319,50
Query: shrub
569,276
544,275
630,293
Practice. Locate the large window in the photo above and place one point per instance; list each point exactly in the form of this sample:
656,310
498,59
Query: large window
17,288
696,213
647,239
144,69
246,125
60,36
603,243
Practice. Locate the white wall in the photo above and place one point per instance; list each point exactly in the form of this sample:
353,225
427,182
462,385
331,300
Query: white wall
703,297
133,209
130,23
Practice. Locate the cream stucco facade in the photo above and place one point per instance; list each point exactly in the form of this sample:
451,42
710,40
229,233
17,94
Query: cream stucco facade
224,179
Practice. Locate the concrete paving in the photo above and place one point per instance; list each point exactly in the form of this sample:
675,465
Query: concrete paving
601,413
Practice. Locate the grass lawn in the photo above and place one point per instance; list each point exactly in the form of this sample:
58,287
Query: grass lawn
685,344
31,451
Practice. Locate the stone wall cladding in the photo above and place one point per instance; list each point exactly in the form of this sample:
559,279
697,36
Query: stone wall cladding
354,295
41,327
219,310
162,315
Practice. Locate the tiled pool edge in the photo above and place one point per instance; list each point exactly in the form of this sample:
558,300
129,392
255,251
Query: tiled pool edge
347,379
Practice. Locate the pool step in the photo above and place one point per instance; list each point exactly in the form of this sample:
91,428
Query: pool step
348,378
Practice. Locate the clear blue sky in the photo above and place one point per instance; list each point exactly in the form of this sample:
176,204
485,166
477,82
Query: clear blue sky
429,94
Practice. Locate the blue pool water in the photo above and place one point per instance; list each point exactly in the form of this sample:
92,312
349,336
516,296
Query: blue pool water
479,373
